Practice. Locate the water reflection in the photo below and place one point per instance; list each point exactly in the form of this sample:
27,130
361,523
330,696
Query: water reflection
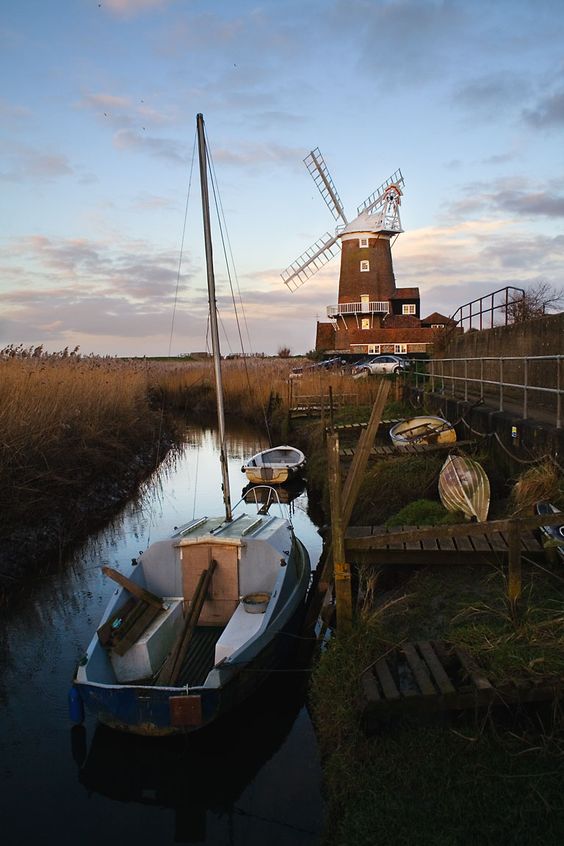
208,780
257,782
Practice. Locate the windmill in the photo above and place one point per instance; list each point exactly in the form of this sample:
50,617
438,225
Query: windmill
366,281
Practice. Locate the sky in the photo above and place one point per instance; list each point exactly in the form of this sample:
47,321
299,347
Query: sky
101,241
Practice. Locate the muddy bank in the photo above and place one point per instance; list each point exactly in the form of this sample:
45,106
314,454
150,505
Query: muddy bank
42,538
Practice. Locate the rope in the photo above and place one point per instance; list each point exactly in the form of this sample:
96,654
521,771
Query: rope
521,460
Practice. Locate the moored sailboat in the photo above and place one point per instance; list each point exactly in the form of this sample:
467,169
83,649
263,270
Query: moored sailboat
204,616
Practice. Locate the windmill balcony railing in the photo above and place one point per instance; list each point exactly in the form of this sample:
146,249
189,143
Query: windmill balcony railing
358,308
533,386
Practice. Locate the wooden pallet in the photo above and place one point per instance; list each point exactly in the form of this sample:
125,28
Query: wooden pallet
435,676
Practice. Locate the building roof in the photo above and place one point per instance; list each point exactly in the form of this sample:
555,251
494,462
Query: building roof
406,294
437,317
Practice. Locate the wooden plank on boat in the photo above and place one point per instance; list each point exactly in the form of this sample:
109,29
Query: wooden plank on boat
436,669
133,634
133,587
386,679
107,629
419,670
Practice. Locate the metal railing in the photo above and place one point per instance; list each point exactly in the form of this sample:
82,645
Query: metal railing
522,383
358,308
481,313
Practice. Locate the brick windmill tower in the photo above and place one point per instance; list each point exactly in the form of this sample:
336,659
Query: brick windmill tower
368,299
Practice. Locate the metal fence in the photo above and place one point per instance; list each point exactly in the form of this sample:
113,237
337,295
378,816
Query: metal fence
528,385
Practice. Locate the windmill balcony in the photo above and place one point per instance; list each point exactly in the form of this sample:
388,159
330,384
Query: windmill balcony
373,307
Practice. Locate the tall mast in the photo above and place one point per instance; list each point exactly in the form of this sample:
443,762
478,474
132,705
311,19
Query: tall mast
213,312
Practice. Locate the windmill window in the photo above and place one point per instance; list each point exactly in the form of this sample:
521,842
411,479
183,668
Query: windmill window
365,323
437,325
363,242
364,265
408,308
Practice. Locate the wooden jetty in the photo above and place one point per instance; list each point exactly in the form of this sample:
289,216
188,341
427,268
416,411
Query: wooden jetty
408,449
466,543
433,676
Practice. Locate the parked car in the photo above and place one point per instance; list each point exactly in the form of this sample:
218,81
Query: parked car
381,364
327,364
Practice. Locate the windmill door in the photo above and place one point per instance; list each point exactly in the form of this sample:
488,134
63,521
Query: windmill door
365,303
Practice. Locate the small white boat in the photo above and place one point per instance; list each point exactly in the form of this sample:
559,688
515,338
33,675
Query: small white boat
427,430
552,536
275,465
464,486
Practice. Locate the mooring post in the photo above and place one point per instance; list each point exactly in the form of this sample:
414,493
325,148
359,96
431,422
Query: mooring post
341,570
514,563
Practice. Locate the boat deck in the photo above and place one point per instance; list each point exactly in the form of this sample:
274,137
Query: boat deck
201,655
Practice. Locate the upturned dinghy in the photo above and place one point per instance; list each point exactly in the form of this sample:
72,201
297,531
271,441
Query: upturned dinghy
424,430
275,465
205,615
464,486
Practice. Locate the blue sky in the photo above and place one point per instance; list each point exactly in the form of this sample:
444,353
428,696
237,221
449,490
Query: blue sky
98,102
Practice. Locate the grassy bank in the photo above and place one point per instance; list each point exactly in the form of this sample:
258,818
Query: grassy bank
485,778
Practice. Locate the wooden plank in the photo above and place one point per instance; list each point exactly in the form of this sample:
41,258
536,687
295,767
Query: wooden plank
471,668
369,686
365,443
386,680
133,587
446,543
416,545
498,542
481,543
430,543
529,541
464,544
149,614
464,529
436,669
419,670
106,630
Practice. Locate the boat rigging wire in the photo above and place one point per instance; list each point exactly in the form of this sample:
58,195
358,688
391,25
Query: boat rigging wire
225,238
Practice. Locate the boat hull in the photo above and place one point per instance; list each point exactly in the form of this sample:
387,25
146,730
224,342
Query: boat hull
153,710
424,430
271,475
464,486
274,466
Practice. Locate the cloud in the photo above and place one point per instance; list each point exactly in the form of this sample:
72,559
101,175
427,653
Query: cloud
548,112
510,195
28,163
162,148
492,93
129,8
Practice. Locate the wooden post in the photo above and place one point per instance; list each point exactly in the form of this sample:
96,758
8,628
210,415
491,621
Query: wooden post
341,570
514,564
331,413
362,452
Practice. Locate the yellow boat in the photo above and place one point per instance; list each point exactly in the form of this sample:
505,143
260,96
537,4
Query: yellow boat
422,430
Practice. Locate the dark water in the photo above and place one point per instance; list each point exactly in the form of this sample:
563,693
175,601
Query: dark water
254,779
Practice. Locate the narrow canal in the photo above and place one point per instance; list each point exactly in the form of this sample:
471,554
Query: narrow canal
254,779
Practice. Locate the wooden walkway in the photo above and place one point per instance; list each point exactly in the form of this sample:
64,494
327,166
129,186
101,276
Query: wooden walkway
470,548
434,676
409,449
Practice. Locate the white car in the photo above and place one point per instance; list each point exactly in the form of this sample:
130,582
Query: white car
381,364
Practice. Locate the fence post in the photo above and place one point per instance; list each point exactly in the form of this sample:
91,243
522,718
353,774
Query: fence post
341,570
514,564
